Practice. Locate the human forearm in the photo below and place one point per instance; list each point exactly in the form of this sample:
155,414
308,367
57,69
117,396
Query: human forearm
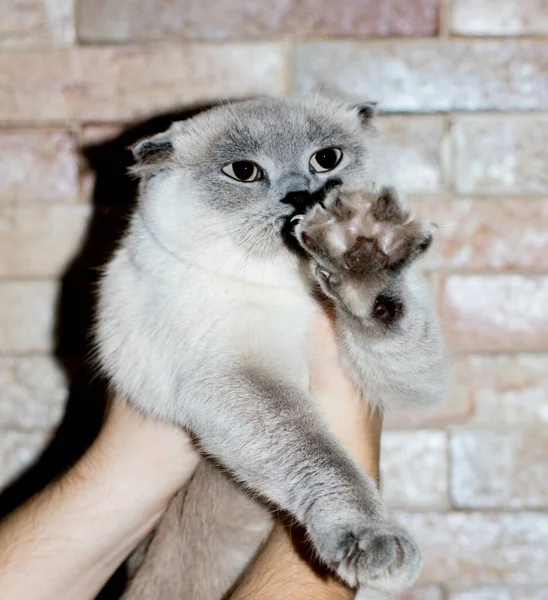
69,539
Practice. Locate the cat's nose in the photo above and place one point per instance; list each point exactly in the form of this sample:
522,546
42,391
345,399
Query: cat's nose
300,199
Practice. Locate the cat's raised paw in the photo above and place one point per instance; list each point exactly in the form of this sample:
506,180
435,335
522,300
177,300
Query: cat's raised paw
362,233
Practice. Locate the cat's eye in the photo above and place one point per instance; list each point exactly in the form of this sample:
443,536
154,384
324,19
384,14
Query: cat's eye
325,160
243,170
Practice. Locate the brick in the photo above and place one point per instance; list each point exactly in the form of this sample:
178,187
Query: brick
34,390
128,82
40,240
492,17
471,548
487,234
27,316
505,390
499,469
500,593
501,155
37,165
413,147
425,485
35,23
126,20
428,592
18,450
495,312
428,75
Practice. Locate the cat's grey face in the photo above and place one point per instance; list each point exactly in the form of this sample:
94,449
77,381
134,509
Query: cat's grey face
260,162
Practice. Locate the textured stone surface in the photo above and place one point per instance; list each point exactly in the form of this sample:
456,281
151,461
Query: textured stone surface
27,316
33,392
32,23
509,390
37,165
499,469
470,548
428,592
426,76
487,234
123,20
46,238
18,450
496,312
493,17
501,155
414,147
126,82
414,469
500,593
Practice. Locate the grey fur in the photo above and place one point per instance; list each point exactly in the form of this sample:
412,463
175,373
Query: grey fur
204,321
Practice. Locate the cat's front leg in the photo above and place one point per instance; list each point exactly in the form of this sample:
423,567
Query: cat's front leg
363,245
268,435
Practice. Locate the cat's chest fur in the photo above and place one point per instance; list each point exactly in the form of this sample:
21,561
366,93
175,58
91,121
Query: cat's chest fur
169,325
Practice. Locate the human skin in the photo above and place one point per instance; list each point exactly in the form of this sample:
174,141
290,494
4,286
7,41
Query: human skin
68,540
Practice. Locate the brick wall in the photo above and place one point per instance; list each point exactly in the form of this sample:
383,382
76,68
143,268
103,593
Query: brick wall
464,90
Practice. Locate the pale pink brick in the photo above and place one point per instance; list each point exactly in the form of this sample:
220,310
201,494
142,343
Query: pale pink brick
501,155
496,312
414,148
499,469
496,17
32,23
471,548
486,234
27,316
509,390
500,593
33,391
40,240
37,165
414,471
129,82
428,75
126,20
18,450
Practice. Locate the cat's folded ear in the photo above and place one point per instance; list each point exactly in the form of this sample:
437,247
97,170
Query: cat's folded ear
154,153
366,112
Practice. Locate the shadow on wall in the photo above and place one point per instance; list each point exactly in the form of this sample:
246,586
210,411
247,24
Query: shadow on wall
113,201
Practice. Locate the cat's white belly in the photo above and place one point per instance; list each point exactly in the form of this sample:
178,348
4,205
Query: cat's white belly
164,331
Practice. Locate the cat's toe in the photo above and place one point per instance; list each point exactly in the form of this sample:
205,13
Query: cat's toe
384,557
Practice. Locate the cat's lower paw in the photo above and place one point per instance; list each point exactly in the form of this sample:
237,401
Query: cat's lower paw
382,556
362,233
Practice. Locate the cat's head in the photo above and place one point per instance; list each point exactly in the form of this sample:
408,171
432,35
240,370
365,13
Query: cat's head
243,170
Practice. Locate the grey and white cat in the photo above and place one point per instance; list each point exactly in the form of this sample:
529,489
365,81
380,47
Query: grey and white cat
204,321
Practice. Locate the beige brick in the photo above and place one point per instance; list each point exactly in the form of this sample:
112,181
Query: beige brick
471,548
509,390
499,469
500,593
487,234
40,240
32,23
126,20
127,82
428,592
501,155
33,392
414,469
18,450
495,312
425,76
27,316
413,148
37,165
493,17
